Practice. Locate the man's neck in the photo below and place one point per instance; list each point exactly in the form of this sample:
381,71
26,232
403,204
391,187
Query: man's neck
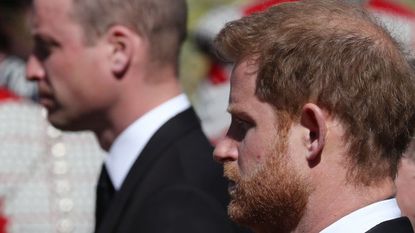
137,96
325,208
105,139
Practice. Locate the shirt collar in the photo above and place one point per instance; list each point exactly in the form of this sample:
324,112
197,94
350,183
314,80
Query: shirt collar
129,144
366,218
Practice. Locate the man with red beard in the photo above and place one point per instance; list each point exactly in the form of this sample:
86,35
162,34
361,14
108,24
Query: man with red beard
323,105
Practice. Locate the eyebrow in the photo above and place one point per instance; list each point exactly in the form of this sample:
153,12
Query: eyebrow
239,112
38,37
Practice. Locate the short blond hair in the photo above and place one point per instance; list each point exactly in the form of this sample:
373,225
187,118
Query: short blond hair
162,22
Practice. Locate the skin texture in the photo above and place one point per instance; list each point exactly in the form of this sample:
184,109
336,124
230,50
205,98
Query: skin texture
105,85
283,170
102,85
321,86
72,79
265,185
405,184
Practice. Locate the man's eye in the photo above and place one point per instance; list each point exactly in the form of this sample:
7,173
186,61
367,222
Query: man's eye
238,128
42,50
241,124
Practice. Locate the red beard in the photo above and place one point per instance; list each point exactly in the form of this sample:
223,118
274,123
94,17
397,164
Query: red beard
274,198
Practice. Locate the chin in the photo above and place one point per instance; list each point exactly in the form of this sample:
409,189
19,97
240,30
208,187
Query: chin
63,123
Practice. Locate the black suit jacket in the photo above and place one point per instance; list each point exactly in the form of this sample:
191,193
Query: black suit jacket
399,225
173,187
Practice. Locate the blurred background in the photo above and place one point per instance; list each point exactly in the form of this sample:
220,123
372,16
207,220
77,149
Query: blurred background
193,61
205,79
49,176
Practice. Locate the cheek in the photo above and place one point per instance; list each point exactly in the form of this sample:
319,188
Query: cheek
252,153
406,177
68,82
59,68
405,183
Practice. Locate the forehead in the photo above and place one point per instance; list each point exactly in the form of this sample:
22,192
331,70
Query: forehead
51,9
243,101
243,82
53,16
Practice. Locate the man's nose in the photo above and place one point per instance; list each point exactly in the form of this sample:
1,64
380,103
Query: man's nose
34,69
226,150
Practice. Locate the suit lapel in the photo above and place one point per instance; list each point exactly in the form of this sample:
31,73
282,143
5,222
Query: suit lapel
398,225
159,142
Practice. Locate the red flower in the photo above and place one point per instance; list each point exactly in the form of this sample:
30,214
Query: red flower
3,219
3,224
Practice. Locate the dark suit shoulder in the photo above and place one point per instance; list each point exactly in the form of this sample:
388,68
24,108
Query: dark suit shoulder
182,208
174,185
398,225
189,155
188,161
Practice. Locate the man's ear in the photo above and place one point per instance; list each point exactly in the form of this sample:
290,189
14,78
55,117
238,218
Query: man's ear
314,119
121,49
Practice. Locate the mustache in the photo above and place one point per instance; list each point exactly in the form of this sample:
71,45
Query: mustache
230,171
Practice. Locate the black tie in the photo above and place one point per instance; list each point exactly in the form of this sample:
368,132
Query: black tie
105,193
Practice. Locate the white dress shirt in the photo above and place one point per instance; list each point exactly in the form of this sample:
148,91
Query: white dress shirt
129,144
366,218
